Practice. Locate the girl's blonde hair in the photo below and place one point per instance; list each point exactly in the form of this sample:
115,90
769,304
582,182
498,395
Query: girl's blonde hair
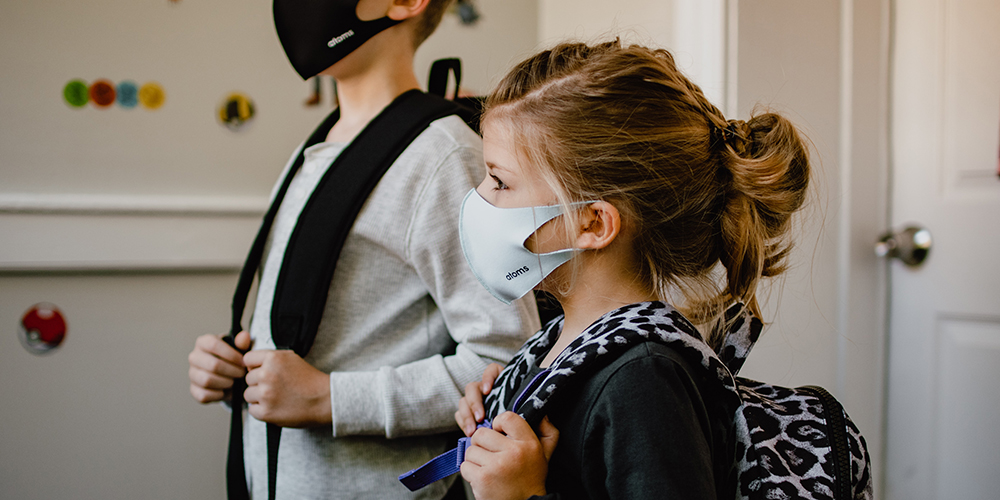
622,124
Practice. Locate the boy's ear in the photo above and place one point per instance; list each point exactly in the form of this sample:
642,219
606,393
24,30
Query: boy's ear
401,10
397,10
600,224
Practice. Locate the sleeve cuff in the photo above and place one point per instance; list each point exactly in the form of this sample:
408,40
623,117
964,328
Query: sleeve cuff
356,404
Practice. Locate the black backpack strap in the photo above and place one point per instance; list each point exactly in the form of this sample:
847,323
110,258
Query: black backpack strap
840,446
470,108
437,82
315,244
236,483
327,218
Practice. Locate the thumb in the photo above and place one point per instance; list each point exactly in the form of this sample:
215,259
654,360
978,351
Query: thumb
549,436
243,341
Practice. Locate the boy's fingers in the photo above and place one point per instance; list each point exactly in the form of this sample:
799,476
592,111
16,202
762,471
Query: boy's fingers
203,395
255,359
214,345
208,380
213,364
243,341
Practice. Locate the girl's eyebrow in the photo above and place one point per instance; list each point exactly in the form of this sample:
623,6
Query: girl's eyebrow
494,166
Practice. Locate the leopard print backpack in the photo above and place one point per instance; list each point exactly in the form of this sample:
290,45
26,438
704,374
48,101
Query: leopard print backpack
791,443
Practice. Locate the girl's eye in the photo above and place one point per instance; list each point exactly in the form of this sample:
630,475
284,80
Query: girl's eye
500,184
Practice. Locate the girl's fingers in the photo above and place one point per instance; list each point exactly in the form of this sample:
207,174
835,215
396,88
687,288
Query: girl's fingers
474,399
514,426
489,440
471,472
477,456
489,376
464,418
549,436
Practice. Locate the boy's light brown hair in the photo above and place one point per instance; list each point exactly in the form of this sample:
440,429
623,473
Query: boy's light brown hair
429,20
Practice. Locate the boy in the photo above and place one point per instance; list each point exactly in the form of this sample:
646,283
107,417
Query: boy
405,324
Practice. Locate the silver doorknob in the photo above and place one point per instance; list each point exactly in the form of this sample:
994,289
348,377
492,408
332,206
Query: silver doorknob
911,245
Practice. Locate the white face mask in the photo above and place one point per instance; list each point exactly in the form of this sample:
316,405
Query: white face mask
493,243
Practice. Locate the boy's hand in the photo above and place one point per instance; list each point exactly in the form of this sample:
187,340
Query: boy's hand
470,407
213,364
284,389
511,466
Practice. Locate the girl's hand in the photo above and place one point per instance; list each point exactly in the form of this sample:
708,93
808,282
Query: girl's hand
470,407
511,467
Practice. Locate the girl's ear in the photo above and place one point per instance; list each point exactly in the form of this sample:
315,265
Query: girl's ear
600,224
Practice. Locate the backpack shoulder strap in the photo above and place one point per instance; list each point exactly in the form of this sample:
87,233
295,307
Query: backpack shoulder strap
470,108
597,347
315,243
236,484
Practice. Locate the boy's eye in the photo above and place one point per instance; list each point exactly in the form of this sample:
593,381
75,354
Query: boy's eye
500,184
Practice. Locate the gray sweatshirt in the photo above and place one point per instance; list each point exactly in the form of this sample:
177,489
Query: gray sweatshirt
402,296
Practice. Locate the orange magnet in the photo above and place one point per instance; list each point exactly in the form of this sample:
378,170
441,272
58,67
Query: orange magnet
102,93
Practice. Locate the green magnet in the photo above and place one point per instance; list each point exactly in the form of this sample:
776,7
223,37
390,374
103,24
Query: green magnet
76,93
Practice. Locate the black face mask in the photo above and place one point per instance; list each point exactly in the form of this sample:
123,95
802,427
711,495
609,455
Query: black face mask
317,33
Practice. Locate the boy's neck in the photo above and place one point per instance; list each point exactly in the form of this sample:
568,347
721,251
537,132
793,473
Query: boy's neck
367,86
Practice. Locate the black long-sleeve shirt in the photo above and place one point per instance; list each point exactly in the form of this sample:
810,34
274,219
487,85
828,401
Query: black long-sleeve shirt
648,426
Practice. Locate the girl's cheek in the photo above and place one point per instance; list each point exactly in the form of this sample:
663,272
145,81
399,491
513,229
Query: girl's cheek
548,238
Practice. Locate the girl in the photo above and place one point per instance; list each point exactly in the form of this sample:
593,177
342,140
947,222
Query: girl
607,159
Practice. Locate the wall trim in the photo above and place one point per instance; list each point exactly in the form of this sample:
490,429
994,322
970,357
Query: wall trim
86,233
131,204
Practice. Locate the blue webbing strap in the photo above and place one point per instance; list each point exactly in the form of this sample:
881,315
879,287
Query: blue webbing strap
450,461
440,467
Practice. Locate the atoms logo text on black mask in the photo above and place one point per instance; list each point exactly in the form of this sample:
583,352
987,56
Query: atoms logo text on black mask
315,34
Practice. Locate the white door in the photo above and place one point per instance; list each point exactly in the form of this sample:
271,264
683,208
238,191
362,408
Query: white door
943,434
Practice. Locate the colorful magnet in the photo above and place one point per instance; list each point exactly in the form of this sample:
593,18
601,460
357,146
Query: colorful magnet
151,95
236,111
43,328
102,92
76,94
128,94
